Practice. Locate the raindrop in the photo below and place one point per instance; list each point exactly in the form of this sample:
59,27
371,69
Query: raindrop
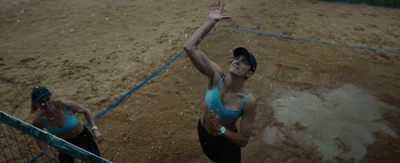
106,18
185,35
72,30
22,11
17,21
124,13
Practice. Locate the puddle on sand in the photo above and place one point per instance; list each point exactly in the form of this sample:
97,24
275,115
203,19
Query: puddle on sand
339,122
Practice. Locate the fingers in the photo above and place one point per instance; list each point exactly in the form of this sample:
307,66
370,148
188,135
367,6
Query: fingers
97,136
216,6
212,114
99,139
223,6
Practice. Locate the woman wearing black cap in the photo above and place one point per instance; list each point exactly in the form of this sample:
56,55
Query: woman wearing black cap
226,99
59,118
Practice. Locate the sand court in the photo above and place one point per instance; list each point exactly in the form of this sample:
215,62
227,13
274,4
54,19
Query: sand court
96,52
307,68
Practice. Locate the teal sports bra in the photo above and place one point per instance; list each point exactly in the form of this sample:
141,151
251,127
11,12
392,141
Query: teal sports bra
70,123
213,102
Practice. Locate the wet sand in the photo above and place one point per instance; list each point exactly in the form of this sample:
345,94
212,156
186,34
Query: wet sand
94,52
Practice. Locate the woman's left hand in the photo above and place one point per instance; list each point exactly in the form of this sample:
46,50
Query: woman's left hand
214,120
97,136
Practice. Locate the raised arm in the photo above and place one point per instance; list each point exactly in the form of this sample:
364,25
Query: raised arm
198,58
77,108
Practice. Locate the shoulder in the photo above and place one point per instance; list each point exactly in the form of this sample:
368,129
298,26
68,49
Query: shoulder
251,100
69,103
72,106
37,122
218,72
250,104
217,69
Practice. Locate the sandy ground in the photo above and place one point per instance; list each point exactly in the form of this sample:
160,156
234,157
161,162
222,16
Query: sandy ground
94,52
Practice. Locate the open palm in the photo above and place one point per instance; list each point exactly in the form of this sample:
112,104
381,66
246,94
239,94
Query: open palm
216,10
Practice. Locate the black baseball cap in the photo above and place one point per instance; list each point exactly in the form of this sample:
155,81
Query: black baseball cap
38,92
241,50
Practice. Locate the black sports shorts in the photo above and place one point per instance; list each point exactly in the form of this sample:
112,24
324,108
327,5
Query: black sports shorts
217,148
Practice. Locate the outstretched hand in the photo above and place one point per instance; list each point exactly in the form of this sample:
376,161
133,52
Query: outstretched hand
214,120
215,11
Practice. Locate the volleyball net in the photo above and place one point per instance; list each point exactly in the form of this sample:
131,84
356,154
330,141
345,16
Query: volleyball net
18,142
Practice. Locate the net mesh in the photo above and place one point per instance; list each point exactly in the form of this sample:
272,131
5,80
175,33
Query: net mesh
15,146
18,143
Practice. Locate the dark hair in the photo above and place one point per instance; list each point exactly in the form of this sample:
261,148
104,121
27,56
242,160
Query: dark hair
34,107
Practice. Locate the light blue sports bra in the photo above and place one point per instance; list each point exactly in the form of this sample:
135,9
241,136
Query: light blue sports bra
213,102
70,123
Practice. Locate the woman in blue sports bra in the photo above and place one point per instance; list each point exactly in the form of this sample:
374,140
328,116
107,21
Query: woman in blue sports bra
59,118
226,99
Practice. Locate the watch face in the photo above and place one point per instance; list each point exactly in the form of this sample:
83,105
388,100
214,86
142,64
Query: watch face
222,130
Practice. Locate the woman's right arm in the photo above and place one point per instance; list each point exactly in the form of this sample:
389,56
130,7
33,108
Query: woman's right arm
48,152
198,58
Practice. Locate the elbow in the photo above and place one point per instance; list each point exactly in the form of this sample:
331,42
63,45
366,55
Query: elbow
187,47
243,144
